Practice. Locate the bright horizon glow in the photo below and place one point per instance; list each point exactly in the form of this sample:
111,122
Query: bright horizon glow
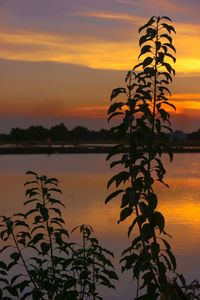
183,103
62,60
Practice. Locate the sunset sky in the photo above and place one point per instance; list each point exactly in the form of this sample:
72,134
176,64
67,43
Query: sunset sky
60,59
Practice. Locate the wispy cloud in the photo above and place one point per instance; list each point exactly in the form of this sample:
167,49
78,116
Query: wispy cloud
85,51
95,52
112,16
183,102
187,103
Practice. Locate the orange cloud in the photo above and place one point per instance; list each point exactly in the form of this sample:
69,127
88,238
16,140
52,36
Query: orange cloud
186,103
98,53
91,52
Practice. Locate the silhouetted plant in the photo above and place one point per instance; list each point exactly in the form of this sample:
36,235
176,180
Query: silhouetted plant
42,262
145,122
92,265
39,260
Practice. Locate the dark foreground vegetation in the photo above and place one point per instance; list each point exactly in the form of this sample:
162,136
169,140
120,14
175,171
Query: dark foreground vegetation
36,241
44,262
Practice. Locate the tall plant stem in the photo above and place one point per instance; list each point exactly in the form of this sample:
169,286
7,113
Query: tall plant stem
93,274
84,264
130,168
132,185
49,236
152,141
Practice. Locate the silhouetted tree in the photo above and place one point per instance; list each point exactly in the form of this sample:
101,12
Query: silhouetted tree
194,135
80,133
18,134
59,132
37,133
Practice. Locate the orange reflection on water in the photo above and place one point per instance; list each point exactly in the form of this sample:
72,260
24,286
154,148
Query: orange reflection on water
181,207
83,181
85,204
180,204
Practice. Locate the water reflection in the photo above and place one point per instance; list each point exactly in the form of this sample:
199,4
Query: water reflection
83,179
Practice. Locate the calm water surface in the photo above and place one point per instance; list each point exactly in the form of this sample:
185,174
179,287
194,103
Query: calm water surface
83,179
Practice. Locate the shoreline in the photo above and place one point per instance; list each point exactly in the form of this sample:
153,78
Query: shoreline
76,150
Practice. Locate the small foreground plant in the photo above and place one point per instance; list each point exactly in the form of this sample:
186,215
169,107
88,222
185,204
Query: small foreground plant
41,261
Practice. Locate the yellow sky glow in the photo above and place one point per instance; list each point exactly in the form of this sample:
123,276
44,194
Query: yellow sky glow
186,102
183,102
97,53
117,50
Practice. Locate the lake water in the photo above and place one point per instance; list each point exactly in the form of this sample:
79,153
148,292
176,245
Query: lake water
83,180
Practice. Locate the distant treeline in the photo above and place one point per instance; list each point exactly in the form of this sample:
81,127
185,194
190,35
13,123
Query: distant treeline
62,133
56,133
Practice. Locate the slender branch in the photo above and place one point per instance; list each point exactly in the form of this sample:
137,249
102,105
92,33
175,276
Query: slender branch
49,236
84,264
23,261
